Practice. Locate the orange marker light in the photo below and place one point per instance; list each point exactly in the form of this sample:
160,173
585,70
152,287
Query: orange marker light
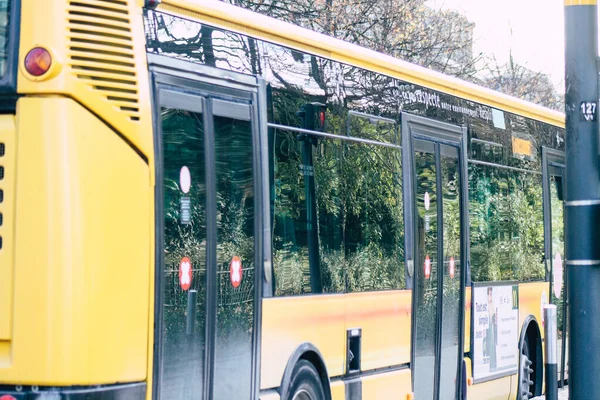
7,397
38,61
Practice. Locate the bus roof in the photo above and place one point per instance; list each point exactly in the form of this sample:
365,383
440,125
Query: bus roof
236,19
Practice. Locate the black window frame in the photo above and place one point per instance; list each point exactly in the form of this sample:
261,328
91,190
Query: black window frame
8,82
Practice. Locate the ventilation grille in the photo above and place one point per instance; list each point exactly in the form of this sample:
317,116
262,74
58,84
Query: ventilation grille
101,51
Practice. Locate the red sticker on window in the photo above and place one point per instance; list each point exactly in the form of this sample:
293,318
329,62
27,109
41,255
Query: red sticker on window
451,267
427,267
185,273
235,271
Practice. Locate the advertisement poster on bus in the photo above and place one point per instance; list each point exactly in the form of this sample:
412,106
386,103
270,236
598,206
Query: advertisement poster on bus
495,330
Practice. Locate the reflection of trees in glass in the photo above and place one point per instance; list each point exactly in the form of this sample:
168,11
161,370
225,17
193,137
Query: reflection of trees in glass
451,240
359,202
235,221
558,246
235,237
183,145
5,5
374,232
427,240
506,224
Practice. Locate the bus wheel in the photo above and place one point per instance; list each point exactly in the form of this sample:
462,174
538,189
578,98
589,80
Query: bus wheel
526,385
306,383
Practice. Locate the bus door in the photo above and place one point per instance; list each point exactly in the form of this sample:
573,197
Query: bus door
435,194
554,247
207,225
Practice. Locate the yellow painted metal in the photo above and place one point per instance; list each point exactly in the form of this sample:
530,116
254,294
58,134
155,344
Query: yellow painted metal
581,2
390,385
532,297
8,141
247,22
151,300
82,251
107,74
497,389
467,347
288,322
338,390
378,314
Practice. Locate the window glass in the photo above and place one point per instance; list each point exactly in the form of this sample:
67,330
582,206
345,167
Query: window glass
426,267
235,257
337,222
290,248
373,229
372,127
184,242
506,224
489,223
308,213
5,6
527,225
450,269
557,247
328,183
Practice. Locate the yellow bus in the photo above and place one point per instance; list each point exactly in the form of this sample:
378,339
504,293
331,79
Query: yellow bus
200,202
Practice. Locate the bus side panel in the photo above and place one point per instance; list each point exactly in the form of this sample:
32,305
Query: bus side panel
338,390
497,389
383,317
532,298
8,141
82,250
287,322
385,320
391,385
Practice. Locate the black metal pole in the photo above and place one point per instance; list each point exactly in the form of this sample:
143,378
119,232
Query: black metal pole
582,205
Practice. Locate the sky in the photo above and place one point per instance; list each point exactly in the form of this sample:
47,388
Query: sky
537,39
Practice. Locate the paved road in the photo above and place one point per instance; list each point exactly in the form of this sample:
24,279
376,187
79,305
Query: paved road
563,394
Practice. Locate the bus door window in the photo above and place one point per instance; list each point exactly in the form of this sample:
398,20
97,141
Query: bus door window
235,257
450,182
183,344
437,297
426,268
555,254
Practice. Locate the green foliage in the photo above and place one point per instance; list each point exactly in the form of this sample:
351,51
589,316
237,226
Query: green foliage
506,223
358,197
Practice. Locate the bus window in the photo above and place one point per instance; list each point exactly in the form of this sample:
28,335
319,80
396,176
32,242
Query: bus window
373,230
307,185
506,224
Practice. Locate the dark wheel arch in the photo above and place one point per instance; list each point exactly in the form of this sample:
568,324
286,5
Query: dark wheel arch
530,332
306,351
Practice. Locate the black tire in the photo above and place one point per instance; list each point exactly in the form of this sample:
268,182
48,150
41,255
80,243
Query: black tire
526,385
306,383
